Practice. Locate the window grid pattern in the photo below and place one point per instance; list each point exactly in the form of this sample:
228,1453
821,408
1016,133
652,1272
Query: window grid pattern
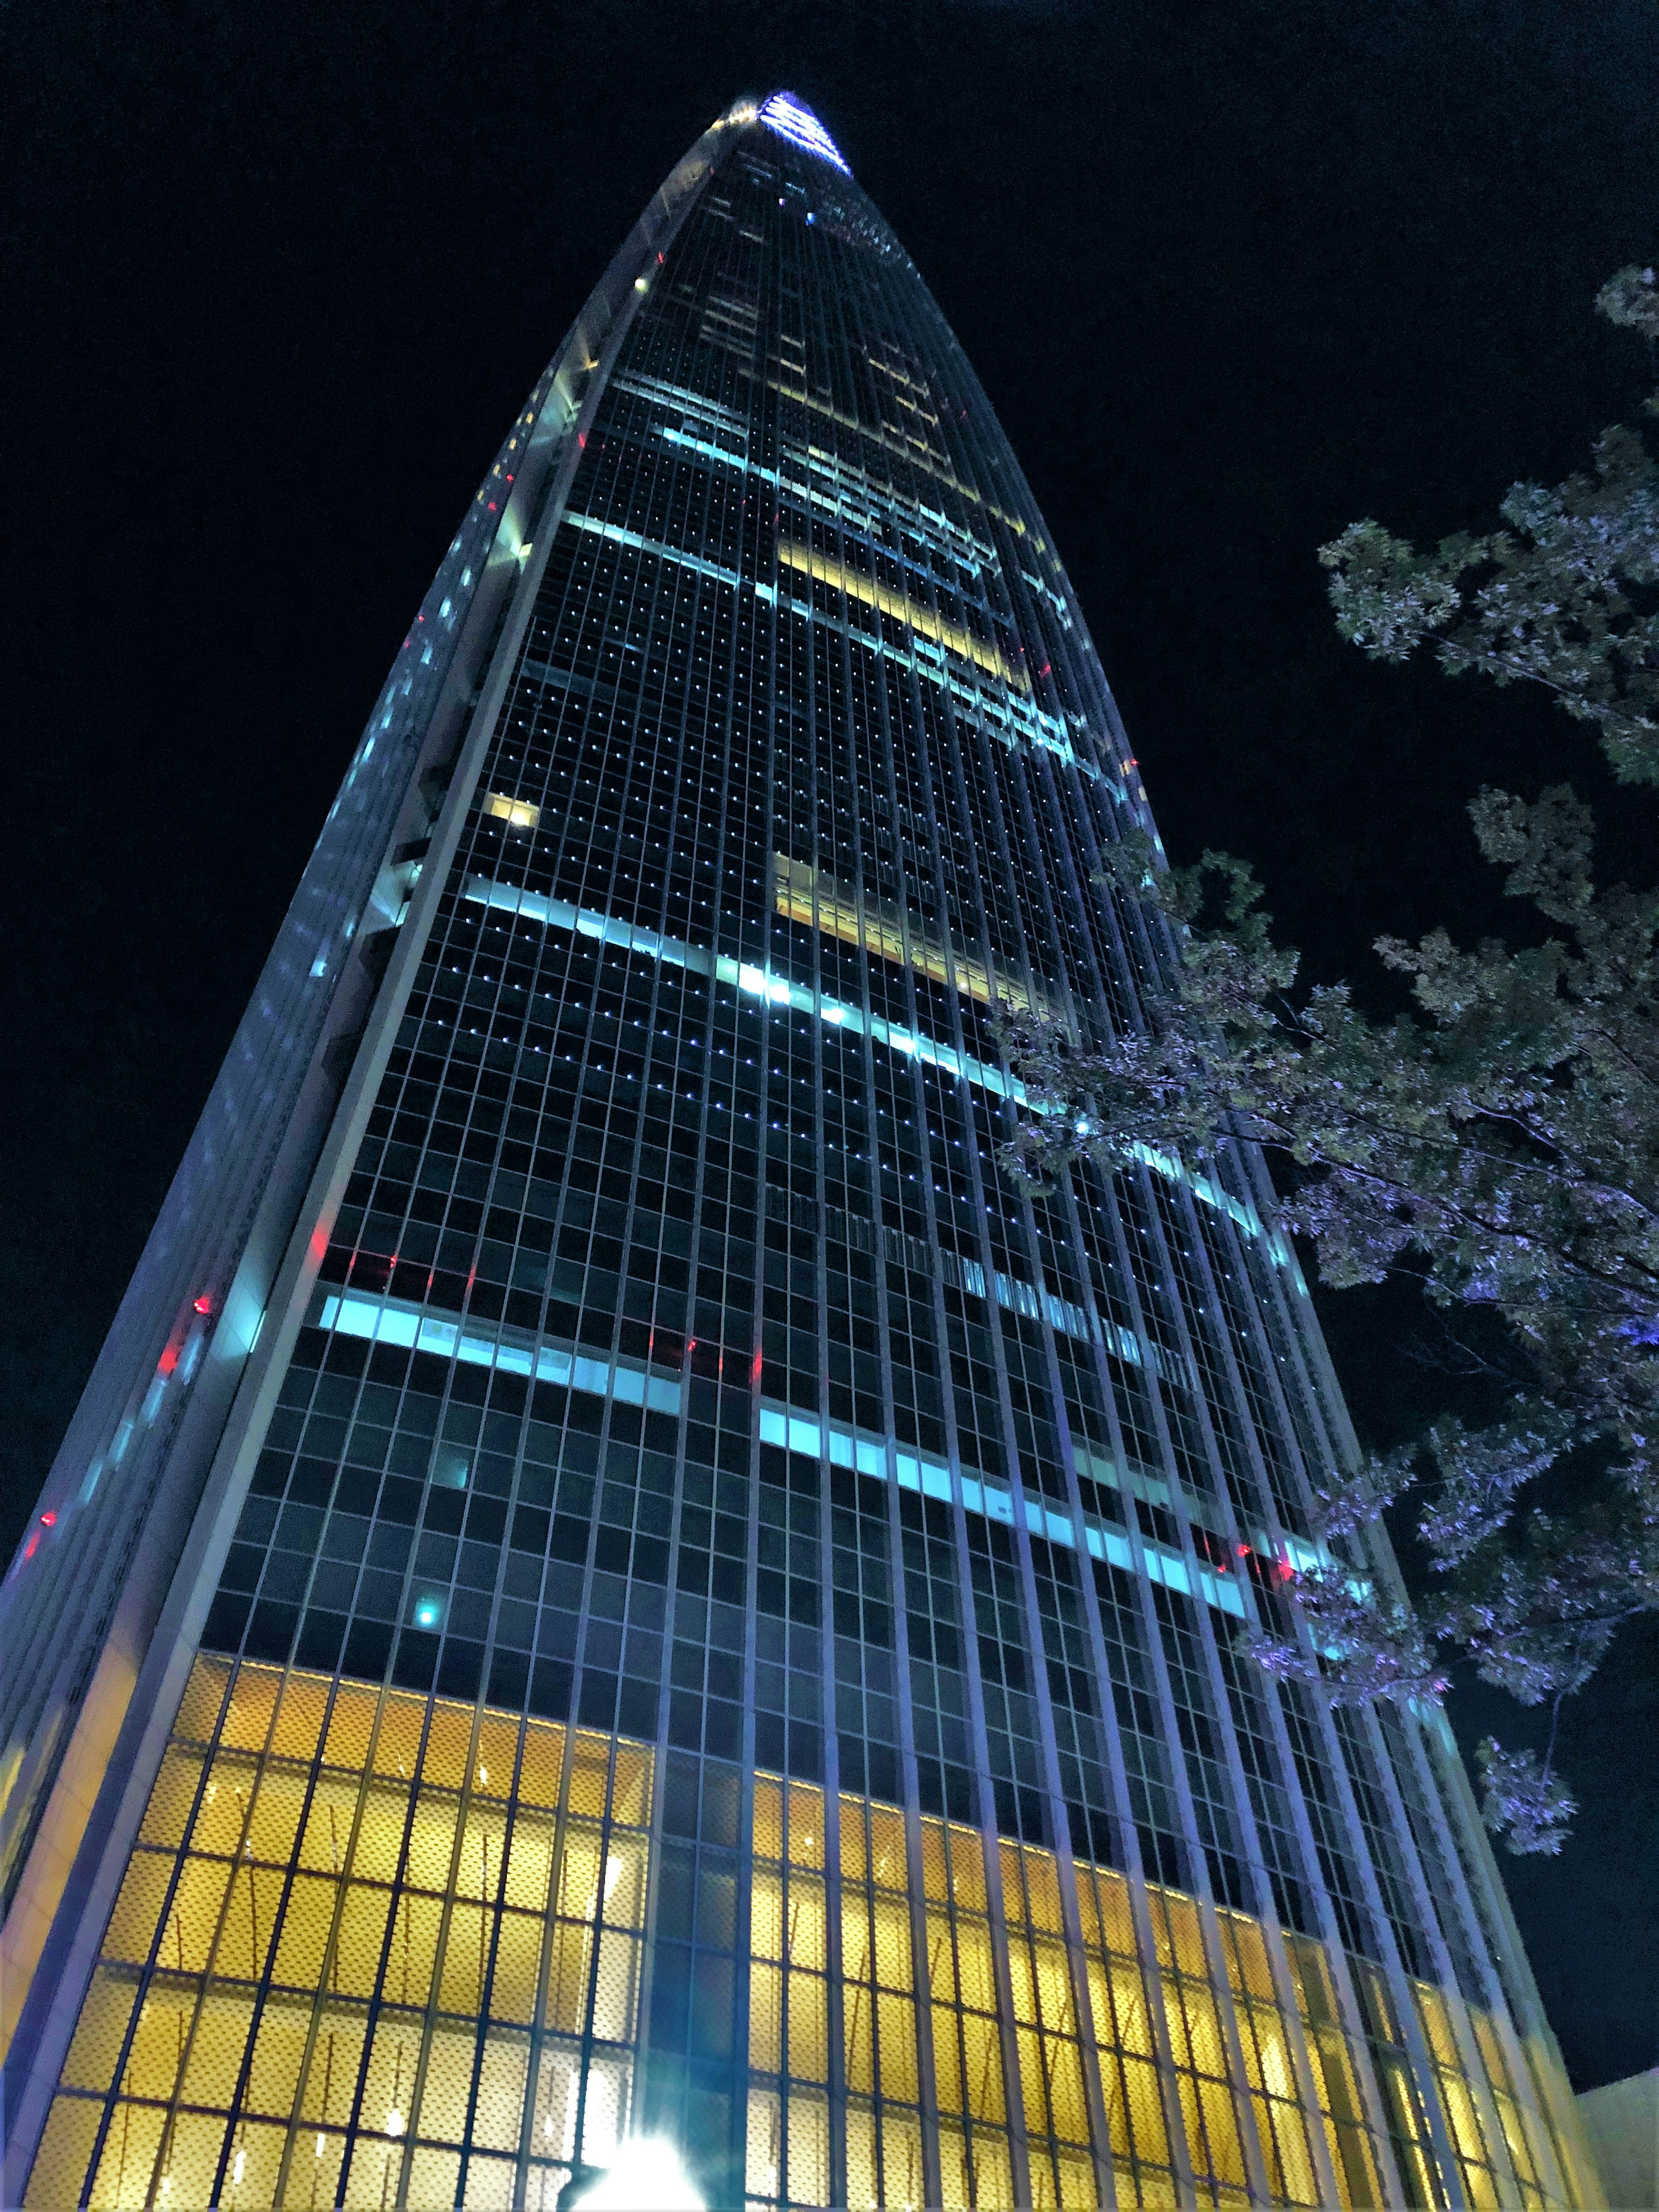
684,1386
367,1941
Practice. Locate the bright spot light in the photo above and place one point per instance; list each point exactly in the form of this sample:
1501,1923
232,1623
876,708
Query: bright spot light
646,2176
241,2167
394,2121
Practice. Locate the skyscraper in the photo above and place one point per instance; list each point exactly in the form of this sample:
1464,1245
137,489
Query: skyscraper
615,1578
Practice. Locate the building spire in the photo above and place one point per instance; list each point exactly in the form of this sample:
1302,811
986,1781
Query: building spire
793,119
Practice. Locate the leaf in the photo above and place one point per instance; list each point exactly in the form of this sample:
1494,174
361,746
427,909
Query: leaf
1522,1802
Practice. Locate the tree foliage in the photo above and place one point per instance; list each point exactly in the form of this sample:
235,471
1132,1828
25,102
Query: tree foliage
1563,597
1500,1140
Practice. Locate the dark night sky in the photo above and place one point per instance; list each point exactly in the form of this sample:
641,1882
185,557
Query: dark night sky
1233,273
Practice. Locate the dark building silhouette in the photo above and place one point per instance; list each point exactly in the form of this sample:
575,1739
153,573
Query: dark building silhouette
614,1575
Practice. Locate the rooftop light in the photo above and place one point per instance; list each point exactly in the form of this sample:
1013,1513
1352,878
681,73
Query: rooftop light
787,115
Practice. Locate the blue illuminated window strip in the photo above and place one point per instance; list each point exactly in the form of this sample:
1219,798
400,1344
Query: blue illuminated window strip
654,545
787,115
1007,716
754,983
870,1456
389,1320
681,399
779,990
934,525
1010,716
710,453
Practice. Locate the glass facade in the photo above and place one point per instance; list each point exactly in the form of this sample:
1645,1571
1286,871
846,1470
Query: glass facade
705,1613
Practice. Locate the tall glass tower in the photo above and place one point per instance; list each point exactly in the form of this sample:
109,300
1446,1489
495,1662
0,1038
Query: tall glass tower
614,1578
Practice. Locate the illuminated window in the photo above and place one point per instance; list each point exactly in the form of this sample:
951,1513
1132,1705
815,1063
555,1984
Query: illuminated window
805,894
517,811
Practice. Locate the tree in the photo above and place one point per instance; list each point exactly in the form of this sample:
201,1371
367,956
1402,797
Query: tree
1500,1140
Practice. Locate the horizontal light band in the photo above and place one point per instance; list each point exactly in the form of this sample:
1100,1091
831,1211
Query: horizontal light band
385,1320
1007,718
656,392
780,991
754,983
869,1455
707,452
853,583
632,538
805,894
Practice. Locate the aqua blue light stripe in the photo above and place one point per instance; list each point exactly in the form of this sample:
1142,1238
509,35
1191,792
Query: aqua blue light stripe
654,545
386,1322
869,1455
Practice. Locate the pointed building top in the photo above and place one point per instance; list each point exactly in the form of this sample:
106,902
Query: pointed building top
793,120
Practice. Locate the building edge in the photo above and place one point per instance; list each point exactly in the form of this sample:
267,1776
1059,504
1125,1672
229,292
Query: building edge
73,1790
1498,1943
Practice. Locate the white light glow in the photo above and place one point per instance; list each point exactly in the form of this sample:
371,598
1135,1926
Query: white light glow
646,2176
788,116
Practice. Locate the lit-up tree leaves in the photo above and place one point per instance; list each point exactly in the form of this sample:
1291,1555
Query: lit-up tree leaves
1500,1140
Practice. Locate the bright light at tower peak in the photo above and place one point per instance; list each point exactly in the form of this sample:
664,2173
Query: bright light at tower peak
793,120
646,2176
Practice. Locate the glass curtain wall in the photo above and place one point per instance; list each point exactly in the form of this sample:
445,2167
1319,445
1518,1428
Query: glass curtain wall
734,1630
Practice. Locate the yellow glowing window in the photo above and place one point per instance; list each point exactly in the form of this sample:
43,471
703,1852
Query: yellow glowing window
363,1929
910,451
804,894
853,583
518,811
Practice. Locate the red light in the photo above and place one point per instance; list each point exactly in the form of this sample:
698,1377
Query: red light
492,507
168,1360
48,1520
1244,1551
203,1304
